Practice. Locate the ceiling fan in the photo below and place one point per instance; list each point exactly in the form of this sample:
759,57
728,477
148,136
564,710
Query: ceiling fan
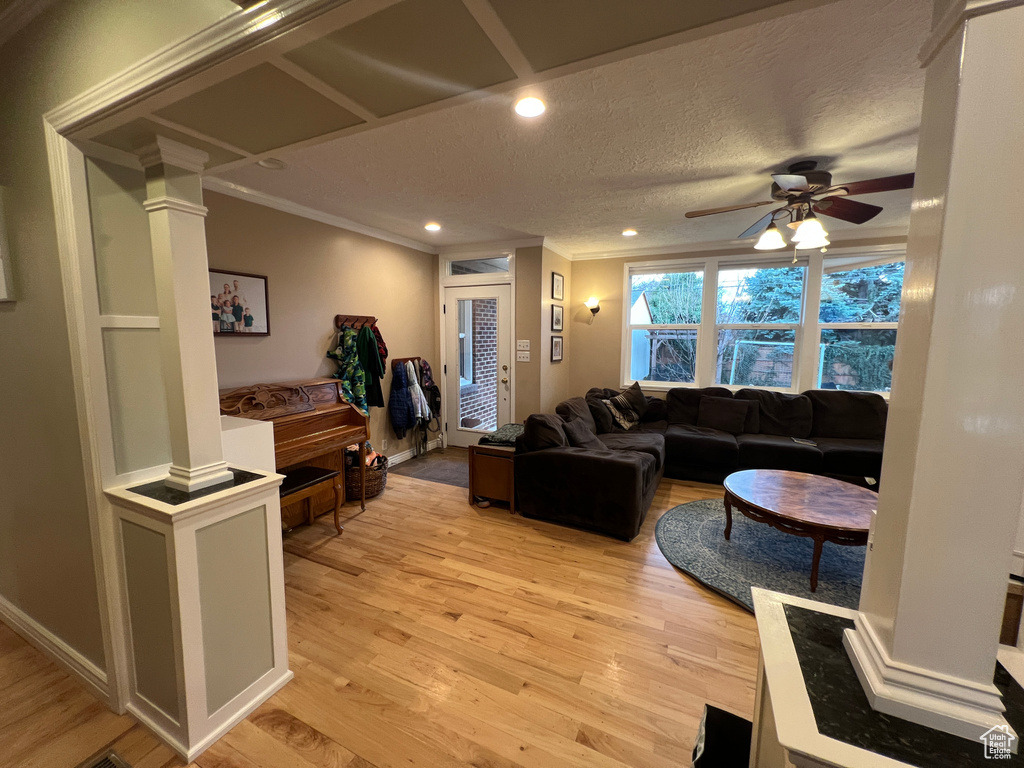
807,191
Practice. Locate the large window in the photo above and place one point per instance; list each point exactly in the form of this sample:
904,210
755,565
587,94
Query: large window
747,324
859,311
664,317
758,314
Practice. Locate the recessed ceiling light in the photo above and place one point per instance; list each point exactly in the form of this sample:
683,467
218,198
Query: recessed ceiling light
272,164
432,227
530,107
629,233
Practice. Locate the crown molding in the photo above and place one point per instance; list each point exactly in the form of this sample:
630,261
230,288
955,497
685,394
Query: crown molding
177,62
958,14
561,250
490,247
17,15
213,184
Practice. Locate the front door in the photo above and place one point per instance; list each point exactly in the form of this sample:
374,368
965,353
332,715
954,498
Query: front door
478,361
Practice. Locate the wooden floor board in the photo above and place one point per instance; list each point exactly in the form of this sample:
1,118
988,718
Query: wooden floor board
432,633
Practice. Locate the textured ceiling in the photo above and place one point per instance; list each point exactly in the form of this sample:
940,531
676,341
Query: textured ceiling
638,142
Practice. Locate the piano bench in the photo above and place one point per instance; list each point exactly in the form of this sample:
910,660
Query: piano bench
305,482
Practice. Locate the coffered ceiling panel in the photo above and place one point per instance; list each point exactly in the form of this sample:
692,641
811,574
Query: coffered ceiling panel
554,33
413,53
258,110
138,133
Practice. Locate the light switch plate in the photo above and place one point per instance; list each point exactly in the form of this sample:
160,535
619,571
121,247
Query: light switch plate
522,344
523,357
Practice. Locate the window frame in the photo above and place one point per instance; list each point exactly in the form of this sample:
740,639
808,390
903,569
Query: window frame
807,333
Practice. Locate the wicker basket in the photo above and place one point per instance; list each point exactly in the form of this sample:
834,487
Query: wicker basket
376,479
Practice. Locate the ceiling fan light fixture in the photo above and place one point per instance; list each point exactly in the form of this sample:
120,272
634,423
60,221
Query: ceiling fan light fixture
770,240
814,241
810,229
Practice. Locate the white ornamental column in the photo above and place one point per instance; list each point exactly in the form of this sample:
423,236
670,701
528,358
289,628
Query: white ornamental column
935,580
176,221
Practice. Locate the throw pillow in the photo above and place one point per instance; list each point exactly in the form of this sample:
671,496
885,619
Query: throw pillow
636,399
544,430
622,412
579,435
723,413
576,409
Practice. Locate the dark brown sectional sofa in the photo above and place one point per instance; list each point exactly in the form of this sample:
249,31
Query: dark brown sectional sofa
693,434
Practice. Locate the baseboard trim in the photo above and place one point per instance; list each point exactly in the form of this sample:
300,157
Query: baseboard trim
398,458
57,650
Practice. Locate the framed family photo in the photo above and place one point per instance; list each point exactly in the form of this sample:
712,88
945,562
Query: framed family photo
557,286
556,349
556,317
239,304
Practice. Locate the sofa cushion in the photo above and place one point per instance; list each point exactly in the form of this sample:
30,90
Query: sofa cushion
850,456
778,452
724,414
576,408
580,435
780,413
653,426
857,415
705,447
544,430
683,403
642,442
657,410
603,420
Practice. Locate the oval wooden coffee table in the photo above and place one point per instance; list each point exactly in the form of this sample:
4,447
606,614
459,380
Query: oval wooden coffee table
819,508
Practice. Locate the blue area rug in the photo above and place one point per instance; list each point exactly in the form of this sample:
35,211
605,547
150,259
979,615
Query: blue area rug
691,536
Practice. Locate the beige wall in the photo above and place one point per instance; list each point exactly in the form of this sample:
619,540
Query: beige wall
529,266
554,377
597,346
316,271
43,514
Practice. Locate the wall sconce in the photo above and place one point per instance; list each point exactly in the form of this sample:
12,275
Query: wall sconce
594,306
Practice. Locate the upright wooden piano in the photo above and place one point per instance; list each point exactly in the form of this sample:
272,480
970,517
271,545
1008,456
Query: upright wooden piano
313,424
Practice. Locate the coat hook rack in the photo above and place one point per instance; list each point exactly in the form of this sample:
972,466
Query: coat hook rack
358,322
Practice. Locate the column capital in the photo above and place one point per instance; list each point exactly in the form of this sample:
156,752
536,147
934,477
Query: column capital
164,151
175,204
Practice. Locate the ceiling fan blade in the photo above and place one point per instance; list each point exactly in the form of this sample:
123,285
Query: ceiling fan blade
759,226
709,211
789,182
848,210
885,184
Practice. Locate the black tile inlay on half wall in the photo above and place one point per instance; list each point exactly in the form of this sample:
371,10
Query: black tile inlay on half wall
842,712
160,492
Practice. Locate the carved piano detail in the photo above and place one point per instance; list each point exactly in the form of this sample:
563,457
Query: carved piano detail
313,424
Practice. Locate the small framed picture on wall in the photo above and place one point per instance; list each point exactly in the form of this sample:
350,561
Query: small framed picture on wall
556,349
239,304
557,286
556,317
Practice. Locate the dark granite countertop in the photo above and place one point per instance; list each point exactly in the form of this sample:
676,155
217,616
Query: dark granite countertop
160,492
842,711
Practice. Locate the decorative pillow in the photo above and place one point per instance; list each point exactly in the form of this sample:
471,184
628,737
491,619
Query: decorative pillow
544,430
636,399
622,412
579,435
657,410
723,413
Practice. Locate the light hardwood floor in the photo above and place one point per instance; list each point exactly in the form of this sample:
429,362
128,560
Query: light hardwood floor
433,633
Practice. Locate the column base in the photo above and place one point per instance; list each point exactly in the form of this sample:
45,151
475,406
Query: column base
947,704
188,480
